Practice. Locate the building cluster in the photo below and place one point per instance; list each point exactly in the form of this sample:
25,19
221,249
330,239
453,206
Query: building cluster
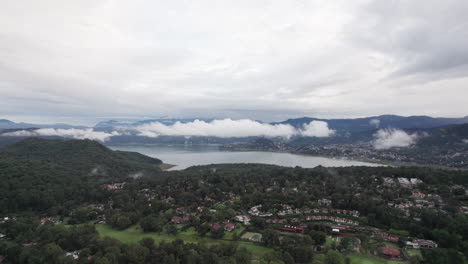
114,186
255,211
421,243
44,220
332,219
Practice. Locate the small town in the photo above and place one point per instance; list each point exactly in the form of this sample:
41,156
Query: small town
323,226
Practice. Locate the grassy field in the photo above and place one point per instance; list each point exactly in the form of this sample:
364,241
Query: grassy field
414,252
391,245
134,234
368,259
328,241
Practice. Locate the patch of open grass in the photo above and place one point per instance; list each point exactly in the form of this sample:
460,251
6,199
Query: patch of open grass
391,245
369,259
414,252
134,234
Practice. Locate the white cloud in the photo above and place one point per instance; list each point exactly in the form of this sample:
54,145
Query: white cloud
71,133
465,141
233,128
375,122
224,128
317,129
390,138
217,128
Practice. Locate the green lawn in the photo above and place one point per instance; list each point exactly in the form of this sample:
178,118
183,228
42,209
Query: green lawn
368,259
414,252
134,234
328,241
391,245
237,231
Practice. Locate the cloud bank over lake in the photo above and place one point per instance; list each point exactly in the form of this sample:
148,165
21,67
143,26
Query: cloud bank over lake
233,128
68,133
225,128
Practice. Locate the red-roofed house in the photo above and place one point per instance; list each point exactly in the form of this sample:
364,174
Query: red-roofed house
293,229
177,220
391,253
216,226
229,227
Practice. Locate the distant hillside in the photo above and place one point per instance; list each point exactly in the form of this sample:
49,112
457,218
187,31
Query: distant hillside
166,121
82,157
7,124
53,176
383,121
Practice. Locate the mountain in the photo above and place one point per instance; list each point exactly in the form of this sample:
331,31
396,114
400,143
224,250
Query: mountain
53,176
165,121
7,124
446,137
383,121
112,123
81,157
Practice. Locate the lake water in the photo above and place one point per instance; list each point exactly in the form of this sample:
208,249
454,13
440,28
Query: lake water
190,155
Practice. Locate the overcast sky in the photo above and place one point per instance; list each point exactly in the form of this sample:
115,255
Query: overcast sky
83,61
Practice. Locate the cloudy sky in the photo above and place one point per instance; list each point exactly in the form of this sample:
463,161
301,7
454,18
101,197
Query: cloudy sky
83,61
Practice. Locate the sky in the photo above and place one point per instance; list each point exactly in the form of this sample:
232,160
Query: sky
84,61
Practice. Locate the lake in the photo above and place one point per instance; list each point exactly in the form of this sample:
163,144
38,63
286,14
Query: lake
190,155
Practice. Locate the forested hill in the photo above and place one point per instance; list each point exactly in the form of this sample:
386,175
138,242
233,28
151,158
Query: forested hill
40,174
383,121
81,156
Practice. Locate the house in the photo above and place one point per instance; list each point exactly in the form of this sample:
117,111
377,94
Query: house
49,219
177,220
386,236
216,226
256,211
391,253
325,202
243,219
98,207
293,229
388,182
229,227
2,236
75,254
187,217
404,182
28,244
415,181
418,195
114,186
421,243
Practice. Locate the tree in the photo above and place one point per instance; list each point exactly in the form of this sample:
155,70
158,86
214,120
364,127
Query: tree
136,253
147,242
152,224
318,237
334,257
171,229
53,253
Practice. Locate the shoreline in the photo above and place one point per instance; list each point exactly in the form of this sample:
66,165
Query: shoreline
365,160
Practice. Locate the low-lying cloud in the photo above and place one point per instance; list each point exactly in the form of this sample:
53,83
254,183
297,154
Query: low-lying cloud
233,128
390,138
375,122
225,128
69,133
317,129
